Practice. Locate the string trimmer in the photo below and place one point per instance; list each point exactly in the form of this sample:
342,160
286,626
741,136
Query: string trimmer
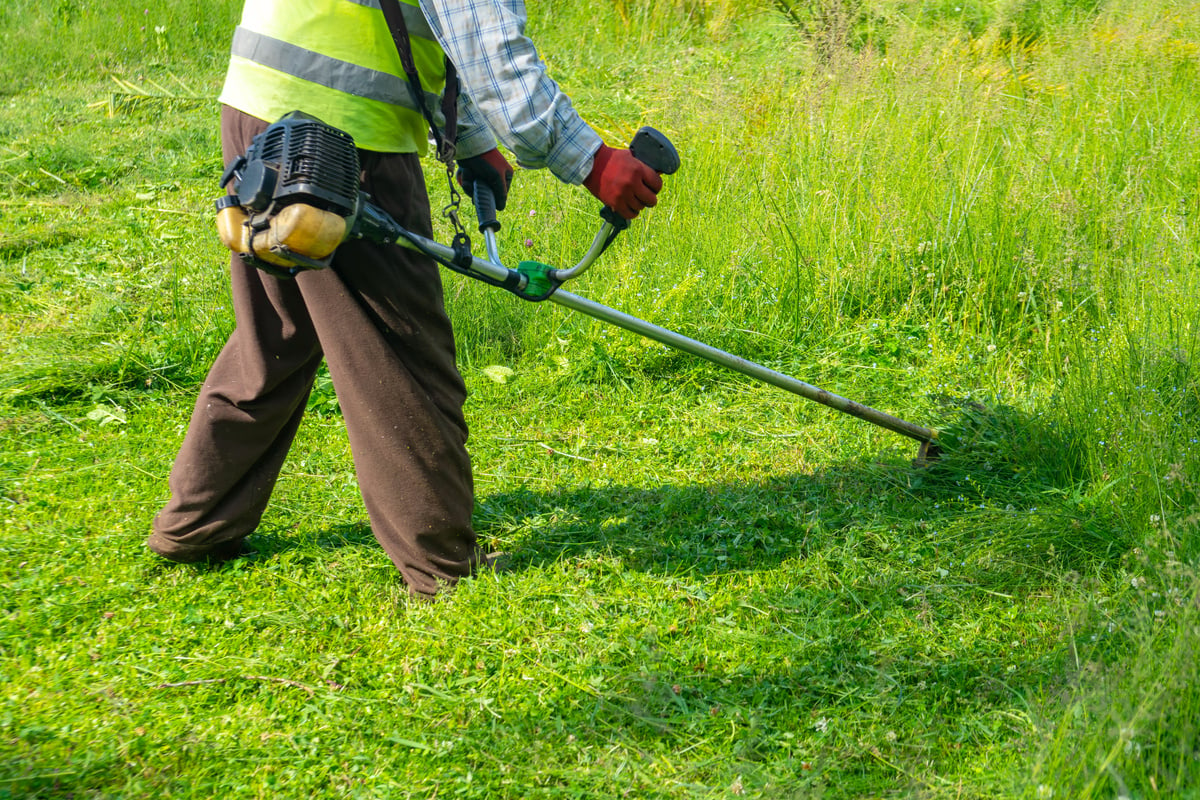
295,197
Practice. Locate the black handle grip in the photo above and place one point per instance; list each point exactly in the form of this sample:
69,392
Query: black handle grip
485,207
655,150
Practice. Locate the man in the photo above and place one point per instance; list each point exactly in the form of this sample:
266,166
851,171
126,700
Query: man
376,317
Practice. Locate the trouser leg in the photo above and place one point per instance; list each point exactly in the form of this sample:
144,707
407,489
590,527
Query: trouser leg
382,324
241,428
248,409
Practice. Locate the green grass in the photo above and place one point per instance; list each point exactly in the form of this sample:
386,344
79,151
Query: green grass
979,216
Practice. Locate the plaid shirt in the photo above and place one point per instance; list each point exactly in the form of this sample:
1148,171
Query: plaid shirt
506,89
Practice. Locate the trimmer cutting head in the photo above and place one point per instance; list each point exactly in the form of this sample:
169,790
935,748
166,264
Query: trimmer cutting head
930,451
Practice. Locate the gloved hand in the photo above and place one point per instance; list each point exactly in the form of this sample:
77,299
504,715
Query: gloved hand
621,182
493,169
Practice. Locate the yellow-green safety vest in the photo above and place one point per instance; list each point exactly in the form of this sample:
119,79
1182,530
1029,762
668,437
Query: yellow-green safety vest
335,60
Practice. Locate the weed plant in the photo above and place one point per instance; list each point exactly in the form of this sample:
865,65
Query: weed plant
979,215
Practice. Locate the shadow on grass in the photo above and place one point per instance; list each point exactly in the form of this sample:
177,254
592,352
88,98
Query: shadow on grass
854,511
1003,505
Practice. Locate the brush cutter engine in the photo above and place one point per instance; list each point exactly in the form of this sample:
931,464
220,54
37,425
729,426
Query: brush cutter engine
293,196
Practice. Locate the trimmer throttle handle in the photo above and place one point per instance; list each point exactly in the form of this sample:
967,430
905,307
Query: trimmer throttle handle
485,207
649,146
654,149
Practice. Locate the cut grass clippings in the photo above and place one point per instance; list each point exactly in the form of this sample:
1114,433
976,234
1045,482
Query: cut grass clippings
980,217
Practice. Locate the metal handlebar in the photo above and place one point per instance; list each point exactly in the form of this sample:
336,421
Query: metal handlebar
648,145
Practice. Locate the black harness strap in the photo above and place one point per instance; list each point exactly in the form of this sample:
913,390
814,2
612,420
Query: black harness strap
450,107
443,140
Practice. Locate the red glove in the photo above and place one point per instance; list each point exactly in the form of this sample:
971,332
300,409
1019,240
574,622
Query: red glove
493,169
622,183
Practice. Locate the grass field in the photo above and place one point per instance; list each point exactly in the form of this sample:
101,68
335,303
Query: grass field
979,215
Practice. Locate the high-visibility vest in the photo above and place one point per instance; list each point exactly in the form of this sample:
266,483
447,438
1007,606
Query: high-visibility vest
335,60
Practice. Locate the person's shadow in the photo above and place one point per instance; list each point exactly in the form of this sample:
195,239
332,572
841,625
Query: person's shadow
1005,493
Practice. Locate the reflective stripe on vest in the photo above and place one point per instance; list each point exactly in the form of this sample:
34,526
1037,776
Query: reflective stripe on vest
336,60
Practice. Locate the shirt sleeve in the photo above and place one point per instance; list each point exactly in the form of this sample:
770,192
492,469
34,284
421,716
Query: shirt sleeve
509,90
474,135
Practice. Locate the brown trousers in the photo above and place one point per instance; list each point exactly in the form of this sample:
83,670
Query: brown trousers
377,318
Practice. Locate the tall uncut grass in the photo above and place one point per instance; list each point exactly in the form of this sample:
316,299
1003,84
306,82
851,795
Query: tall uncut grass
978,214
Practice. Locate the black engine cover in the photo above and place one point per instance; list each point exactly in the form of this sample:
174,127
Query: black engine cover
298,159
